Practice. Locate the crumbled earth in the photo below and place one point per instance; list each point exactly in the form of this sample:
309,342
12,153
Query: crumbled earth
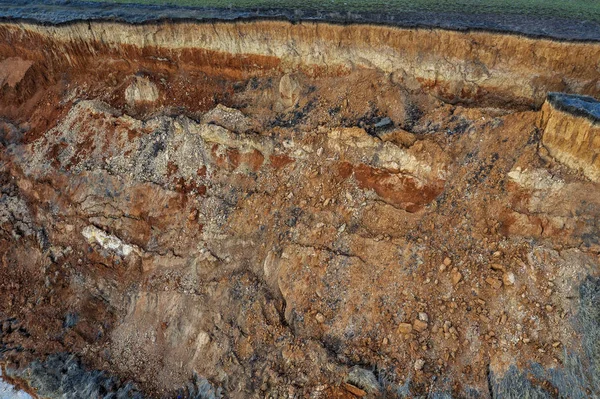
300,236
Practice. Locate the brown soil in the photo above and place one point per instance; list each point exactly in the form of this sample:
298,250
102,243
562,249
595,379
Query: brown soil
273,251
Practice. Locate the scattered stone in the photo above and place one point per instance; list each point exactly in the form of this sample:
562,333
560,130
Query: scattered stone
420,325
495,283
452,330
508,278
447,261
320,318
497,267
405,328
423,316
447,325
456,276
228,118
419,364
364,379
354,390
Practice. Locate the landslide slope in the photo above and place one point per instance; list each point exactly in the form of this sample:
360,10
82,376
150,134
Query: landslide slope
268,209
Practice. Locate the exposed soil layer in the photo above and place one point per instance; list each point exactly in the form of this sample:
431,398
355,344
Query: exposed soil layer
299,210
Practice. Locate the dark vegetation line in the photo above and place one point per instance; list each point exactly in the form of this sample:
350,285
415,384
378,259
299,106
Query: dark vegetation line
577,21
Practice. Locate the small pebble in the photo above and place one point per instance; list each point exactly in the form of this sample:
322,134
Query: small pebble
508,278
420,325
404,328
495,283
419,364
456,276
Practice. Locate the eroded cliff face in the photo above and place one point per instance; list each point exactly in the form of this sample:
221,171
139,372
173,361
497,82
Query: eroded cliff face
573,138
297,210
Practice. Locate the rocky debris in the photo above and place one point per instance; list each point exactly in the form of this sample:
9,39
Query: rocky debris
494,283
108,242
14,211
508,278
320,318
420,325
456,276
228,118
191,199
497,267
405,328
364,379
61,375
566,378
141,91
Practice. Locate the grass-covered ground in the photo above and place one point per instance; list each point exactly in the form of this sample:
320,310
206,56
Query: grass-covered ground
570,9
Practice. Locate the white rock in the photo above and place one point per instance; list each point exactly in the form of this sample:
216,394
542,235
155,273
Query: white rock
141,90
419,364
289,90
109,242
